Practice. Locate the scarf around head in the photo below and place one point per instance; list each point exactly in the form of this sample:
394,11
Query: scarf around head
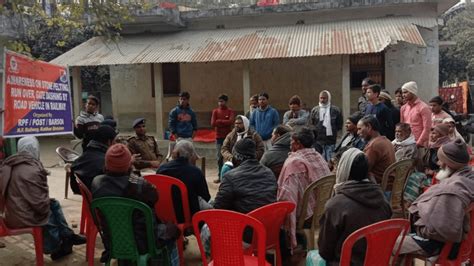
344,167
325,114
30,145
245,120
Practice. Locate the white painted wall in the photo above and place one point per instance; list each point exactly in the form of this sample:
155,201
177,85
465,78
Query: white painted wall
406,62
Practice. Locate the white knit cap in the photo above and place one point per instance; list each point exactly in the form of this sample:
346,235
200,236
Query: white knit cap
410,87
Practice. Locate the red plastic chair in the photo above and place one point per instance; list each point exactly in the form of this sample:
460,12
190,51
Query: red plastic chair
37,233
466,251
226,229
272,217
84,210
381,238
91,228
164,207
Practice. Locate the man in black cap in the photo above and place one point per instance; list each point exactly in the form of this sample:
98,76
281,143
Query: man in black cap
248,186
91,163
145,146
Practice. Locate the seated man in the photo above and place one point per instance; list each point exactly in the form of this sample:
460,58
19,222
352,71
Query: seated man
91,163
249,185
404,143
145,146
276,155
117,182
303,166
358,202
182,168
25,200
351,138
440,214
241,130
379,149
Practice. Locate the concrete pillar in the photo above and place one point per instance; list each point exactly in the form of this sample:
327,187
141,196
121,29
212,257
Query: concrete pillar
246,86
77,90
157,73
346,87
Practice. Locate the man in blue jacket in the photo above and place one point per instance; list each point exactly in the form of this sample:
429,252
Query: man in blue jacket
264,119
182,119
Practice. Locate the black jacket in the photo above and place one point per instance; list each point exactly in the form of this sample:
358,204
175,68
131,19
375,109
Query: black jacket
246,188
89,165
139,189
320,130
356,205
195,183
275,157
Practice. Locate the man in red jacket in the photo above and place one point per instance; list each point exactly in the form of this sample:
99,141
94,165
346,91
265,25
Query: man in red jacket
222,120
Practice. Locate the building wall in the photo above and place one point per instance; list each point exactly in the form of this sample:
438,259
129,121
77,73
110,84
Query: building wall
132,95
406,62
306,77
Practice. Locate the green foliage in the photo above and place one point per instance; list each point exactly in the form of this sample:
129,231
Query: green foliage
457,61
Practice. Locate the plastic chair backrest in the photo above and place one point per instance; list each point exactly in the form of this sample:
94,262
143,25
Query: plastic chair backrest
272,217
401,169
86,195
465,248
381,238
117,213
67,155
164,207
226,229
321,190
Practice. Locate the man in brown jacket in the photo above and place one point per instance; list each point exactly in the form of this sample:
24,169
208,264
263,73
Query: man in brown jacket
25,200
241,130
440,214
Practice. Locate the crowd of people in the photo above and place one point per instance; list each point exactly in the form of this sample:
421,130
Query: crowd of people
261,160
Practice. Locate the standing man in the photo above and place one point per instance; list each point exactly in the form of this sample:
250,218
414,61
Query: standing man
182,119
416,113
222,119
88,121
145,146
296,116
437,112
379,150
303,166
326,119
264,119
253,103
362,102
380,111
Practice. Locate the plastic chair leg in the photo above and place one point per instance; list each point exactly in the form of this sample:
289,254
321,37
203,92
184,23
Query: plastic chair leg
278,255
66,188
180,244
83,218
38,238
90,245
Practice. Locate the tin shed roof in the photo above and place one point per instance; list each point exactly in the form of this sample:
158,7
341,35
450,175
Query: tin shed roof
342,37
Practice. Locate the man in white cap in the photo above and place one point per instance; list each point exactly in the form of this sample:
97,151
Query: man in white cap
416,113
440,214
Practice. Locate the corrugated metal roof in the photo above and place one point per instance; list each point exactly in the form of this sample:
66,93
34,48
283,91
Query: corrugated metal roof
344,37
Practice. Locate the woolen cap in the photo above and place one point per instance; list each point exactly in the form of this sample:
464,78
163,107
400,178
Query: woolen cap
244,148
138,121
410,87
104,133
385,95
118,159
454,154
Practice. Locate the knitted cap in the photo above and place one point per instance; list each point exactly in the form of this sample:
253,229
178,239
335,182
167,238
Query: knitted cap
454,154
410,87
118,159
385,95
244,149
104,134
